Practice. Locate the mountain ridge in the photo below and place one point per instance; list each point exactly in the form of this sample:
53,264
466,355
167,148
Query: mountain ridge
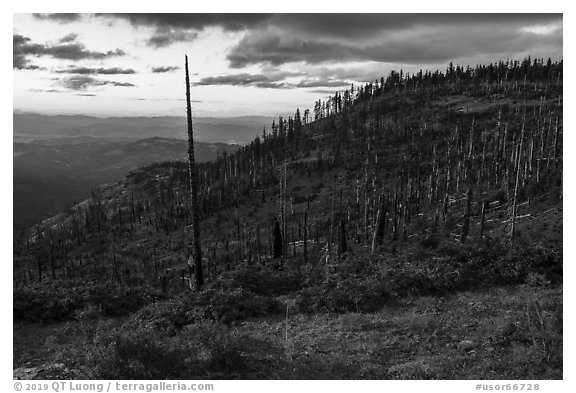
241,129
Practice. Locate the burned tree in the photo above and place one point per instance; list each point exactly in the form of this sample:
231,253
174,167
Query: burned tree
277,234
466,223
342,246
194,206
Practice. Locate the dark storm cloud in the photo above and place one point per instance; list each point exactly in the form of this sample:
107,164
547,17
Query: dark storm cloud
162,69
81,82
171,28
68,38
122,84
20,62
322,83
272,85
325,91
355,26
229,22
277,48
97,71
340,25
30,67
236,80
24,47
271,80
62,18
396,38
76,52
163,38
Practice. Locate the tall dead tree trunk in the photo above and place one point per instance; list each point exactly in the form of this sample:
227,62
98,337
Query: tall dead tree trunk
194,206
282,205
332,213
516,186
378,238
305,236
277,233
482,217
342,246
466,223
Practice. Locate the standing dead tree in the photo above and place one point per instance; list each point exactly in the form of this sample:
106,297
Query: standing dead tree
278,247
194,206
466,223
515,201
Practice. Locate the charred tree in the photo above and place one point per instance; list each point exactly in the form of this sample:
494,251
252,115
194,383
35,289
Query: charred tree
342,246
277,234
515,201
466,223
194,206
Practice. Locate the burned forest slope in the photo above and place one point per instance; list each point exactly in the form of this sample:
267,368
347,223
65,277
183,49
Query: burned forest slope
436,194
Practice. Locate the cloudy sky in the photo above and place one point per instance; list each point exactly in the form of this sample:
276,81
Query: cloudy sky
246,64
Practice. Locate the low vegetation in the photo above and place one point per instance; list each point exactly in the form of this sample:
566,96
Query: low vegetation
408,228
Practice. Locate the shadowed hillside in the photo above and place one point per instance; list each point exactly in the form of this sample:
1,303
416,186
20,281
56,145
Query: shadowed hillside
408,228
51,174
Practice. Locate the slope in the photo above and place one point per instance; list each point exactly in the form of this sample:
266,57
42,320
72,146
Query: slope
427,188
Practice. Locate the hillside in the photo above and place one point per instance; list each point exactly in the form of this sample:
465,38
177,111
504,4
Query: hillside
415,221
51,174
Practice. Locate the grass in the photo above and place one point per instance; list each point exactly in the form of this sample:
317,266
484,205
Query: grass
423,339
498,333
448,311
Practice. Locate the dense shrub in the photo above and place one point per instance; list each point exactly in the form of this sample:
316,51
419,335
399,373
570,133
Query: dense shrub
361,283
430,242
498,263
340,295
260,280
234,305
167,316
226,306
62,300
206,350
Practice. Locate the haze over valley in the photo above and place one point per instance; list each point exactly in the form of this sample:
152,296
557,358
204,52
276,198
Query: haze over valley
60,159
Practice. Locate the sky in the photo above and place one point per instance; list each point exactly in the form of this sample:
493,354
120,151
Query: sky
247,64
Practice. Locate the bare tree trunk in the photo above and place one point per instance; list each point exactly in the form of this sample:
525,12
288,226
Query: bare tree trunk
52,261
332,213
194,206
482,220
258,242
516,186
466,223
277,234
380,224
556,141
305,236
342,246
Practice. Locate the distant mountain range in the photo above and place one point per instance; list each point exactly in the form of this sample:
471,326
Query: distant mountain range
59,159
240,130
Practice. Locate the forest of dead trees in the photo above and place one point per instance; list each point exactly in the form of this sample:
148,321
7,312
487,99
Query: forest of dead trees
388,161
